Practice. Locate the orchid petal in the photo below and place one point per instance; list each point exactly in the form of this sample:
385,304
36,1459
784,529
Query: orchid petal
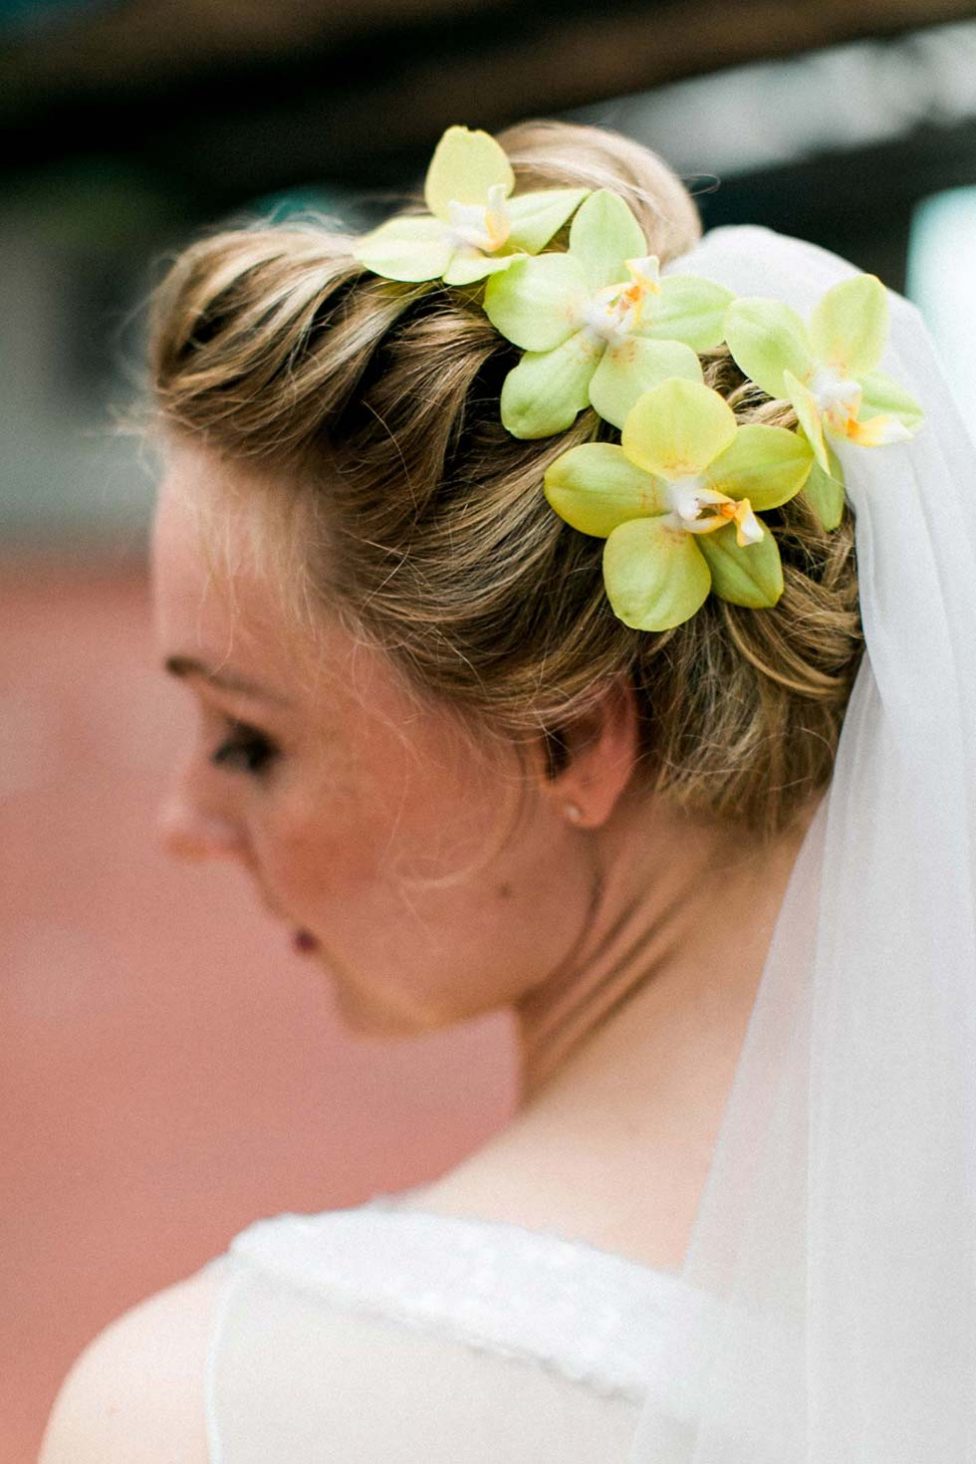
748,529
688,309
535,302
654,573
633,367
544,392
825,492
882,395
465,165
604,235
808,415
877,431
767,339
536,217
595,489
675,430
750,575
767,465
468,266
412,248
849,327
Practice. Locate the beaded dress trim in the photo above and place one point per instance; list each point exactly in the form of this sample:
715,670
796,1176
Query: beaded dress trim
597,1318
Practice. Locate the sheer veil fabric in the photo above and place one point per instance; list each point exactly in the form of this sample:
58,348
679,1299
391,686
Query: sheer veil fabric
834,1251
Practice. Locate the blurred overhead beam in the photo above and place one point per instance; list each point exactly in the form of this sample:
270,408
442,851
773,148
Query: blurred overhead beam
236,96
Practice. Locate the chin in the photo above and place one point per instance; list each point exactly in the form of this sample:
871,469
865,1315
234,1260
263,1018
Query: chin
365,1017
366,1014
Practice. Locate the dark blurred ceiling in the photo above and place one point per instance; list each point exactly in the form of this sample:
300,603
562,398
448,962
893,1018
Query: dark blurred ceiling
127,125
237,96
197,108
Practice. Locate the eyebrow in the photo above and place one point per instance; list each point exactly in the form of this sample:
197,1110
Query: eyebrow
187,666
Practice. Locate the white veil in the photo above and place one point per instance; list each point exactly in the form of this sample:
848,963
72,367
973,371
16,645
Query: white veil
835,1245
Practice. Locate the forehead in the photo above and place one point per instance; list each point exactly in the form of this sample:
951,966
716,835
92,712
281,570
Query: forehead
218,565
214,588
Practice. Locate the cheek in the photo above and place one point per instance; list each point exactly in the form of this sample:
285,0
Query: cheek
315,844
385,820
426,910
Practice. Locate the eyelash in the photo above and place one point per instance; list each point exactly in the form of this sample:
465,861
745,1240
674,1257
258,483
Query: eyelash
246,751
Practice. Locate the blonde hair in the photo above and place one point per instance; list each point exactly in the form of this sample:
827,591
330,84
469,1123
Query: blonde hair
375,406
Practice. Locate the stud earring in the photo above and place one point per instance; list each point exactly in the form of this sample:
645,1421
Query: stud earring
573,812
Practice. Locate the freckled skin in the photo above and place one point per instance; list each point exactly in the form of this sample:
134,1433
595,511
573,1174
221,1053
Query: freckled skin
380,829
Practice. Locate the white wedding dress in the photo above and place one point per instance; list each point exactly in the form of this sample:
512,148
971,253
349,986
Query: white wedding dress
386,1333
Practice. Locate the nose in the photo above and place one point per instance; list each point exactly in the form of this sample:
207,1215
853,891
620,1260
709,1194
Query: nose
191,833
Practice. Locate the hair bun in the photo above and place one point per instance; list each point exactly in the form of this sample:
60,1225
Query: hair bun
372,407
569,155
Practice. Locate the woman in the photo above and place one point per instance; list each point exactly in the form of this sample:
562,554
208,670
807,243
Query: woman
465,783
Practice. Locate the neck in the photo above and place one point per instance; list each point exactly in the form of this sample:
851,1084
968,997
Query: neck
629,1049
677,934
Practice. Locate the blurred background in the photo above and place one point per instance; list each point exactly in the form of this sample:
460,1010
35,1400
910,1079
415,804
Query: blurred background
169,1070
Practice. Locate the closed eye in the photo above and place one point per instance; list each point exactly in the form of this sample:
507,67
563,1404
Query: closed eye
246,750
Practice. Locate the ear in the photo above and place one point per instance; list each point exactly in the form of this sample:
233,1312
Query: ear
590,761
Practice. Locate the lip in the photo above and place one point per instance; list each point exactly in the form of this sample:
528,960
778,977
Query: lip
302,941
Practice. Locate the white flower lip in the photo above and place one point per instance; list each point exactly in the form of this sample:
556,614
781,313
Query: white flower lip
614,312
837,396
480,226
688,496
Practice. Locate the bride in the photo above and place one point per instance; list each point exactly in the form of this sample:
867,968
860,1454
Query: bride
474,760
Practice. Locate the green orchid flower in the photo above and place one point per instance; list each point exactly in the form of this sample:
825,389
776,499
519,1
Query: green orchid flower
597,324
676,504
474,226
827,371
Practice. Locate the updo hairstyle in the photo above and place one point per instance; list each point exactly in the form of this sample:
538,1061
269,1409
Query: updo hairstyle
373,409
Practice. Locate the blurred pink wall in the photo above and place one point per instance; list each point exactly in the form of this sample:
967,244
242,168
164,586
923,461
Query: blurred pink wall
169,1070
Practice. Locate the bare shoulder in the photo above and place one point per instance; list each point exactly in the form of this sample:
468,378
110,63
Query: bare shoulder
136,1392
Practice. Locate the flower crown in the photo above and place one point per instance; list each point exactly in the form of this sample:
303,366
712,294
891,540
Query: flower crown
677,499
